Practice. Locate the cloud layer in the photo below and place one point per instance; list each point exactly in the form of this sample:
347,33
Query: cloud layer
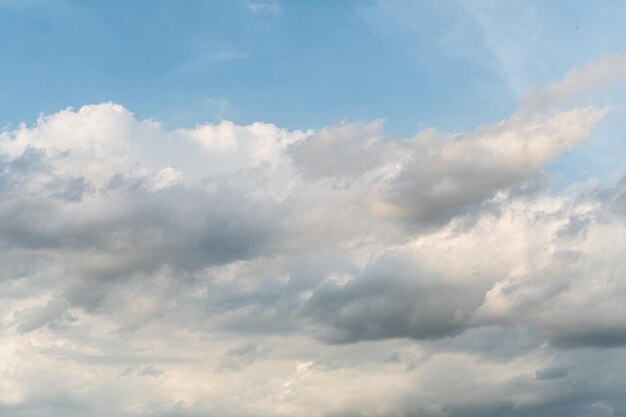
257,271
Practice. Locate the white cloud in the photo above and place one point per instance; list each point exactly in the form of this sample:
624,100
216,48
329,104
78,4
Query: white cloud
253,270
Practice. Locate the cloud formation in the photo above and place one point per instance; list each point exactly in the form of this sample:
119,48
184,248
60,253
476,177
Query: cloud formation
253,270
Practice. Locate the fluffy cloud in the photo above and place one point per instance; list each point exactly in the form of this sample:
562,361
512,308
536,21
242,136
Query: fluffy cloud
252,270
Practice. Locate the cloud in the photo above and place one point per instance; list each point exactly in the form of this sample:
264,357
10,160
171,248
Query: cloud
33,318
446,175
241,356
272,7
254,270
551,372
345,150
595,76
391,298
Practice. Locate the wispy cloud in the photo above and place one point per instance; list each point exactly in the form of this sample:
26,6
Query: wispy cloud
270,6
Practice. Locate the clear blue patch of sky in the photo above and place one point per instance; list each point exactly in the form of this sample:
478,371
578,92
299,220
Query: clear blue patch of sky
294,63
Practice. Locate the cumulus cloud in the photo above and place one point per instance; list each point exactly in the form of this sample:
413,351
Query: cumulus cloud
254,270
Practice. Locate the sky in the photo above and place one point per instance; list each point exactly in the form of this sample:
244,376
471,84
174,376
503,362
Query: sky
283,208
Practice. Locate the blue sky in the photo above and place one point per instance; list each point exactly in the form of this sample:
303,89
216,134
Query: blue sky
451,65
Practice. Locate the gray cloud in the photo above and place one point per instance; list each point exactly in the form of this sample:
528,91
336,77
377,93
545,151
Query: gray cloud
551,372
53,313
344,150
241,356
393,298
